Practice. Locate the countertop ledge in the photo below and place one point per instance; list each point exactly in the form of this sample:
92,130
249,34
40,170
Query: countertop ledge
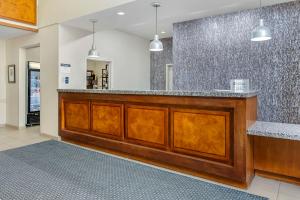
275,130
212,93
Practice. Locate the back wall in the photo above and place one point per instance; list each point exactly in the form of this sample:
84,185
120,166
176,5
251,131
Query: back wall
208,52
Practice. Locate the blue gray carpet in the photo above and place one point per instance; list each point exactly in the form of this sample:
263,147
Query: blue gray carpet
55,170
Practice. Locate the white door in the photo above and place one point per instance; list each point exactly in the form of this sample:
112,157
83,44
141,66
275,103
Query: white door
169,77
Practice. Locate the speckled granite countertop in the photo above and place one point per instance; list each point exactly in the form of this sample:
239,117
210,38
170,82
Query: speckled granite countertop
275,130
212,93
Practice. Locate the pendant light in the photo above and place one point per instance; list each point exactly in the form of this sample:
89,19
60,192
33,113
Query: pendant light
156,44
261,33
93,53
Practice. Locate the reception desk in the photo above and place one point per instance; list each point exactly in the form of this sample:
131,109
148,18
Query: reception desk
202,133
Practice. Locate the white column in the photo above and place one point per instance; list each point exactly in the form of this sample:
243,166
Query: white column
3,79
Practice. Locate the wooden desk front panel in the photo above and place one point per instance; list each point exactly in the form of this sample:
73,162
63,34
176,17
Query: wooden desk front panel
147,125
206,135
77,115
107,120
194,132
201,133
277,156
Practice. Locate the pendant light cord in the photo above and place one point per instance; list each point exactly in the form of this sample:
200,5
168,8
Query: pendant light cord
94,34
156,20
260,4
260,8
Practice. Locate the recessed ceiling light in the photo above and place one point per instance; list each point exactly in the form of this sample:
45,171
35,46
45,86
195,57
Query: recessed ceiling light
121,13
163,32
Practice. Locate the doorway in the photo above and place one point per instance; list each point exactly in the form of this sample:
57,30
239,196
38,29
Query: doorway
169,77
32,90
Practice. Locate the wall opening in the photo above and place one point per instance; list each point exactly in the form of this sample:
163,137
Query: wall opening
98,74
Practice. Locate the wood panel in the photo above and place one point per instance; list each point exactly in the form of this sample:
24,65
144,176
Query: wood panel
277,156
148,132
147,125
19,10
77,115
251,116
107,119
201,133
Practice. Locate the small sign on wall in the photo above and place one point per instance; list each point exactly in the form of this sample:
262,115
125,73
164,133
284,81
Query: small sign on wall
65,71
67,80
65,68
11,73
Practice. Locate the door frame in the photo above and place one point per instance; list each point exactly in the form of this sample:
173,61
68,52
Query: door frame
168,76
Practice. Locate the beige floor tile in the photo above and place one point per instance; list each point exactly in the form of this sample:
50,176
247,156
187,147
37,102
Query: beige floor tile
11,138
286,197
264,187
289,190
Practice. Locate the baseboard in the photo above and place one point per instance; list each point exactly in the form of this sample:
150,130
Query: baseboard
15,127
278,177
51,136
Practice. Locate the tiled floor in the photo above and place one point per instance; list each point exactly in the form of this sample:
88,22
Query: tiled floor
275,190
13,138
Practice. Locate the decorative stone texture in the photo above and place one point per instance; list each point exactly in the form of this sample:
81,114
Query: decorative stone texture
158,62
275,130
211,93
208,52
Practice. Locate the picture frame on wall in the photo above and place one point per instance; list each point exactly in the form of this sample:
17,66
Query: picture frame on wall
11,73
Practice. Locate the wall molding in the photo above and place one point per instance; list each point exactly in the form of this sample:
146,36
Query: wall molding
17,26
24,11
58,138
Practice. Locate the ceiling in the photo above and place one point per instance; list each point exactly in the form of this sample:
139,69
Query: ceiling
7,32
140,16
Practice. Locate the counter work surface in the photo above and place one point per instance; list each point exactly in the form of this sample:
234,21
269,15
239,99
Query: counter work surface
275,130
210,93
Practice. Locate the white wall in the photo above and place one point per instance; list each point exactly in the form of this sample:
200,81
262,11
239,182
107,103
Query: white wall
47,39
49,79
73,51
3,79
57,11
33,54
129,55
71,47
15,92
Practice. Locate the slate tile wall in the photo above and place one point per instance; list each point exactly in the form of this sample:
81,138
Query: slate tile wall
158,62
208,52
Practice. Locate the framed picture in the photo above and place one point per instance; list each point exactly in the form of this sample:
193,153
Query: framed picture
11,73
